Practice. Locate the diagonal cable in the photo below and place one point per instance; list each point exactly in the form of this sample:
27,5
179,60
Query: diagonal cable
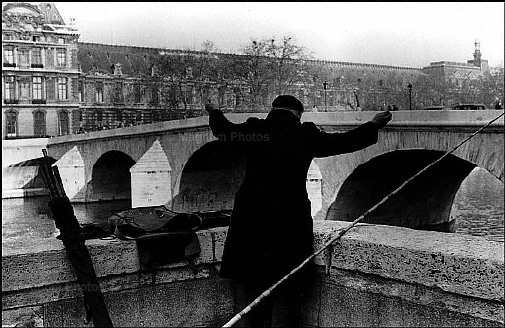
340,233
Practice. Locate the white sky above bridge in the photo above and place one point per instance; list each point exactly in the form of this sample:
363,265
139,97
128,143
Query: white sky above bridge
401,34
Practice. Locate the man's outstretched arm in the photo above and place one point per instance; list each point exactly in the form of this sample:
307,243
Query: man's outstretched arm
329,144
221,127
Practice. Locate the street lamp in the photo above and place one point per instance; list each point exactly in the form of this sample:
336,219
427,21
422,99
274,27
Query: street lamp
325,84
356,95
410,95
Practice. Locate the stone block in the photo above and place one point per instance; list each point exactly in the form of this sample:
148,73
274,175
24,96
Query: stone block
23,317
201,303
461,264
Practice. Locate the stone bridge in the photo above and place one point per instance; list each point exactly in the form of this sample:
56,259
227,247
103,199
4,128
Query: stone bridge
182,165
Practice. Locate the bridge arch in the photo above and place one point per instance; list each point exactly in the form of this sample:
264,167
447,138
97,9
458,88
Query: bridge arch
214,173
424,203
110,177
210,178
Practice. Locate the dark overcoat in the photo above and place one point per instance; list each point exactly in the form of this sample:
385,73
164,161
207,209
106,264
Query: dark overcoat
270,232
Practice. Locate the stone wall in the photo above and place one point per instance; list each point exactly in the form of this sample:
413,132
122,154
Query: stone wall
378,276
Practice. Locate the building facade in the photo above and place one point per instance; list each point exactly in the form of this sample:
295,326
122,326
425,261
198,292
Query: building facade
39,73
55,85
452,83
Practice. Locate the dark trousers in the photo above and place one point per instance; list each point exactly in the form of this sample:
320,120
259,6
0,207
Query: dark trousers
282,308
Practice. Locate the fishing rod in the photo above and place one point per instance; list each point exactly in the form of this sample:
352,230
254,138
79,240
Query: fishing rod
343,231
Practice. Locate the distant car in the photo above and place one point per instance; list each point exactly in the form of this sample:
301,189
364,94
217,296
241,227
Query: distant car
436,108
469,107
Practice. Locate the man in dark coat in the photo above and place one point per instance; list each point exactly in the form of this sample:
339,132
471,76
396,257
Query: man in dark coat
270,231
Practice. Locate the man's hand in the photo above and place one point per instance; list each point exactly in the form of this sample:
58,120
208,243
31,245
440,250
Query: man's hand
381,119
209,107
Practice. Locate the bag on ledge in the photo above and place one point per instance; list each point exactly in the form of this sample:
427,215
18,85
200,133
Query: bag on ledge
162,236
133,223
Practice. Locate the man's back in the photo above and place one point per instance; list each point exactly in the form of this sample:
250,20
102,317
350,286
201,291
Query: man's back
270,231
278,161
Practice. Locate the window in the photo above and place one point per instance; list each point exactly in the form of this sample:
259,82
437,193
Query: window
24,57
37,57
80,90
98,115
12,123
61,57
63,123
8,37
9,56
39,124
119,115
189,72
155,95
119,92
37,88
205,94
9,89
238,97
36,38
62,88
24,89
61,40
99,92
189,94
136,93
118,70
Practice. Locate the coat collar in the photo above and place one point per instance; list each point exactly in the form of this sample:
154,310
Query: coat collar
283,117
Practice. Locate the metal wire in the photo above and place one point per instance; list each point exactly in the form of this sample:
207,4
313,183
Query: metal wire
343,231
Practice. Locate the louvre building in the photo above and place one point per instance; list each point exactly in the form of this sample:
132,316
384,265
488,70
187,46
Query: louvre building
55,85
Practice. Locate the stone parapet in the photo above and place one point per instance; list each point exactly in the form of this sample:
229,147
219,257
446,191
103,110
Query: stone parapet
460,264
378,276
448,118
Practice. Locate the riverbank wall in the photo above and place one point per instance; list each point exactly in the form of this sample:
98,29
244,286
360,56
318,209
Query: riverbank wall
374,276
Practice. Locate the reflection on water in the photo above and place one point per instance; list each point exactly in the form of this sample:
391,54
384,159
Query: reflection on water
26,217
478,208
31,217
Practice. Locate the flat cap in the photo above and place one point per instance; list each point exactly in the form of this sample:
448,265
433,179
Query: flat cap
288,101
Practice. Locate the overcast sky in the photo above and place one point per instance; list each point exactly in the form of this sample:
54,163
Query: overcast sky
400,34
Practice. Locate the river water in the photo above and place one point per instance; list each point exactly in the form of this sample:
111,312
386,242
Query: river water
478,208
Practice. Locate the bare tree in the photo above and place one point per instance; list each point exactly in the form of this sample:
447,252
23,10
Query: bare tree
218,72
289,60
256,73
179,82
273,66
